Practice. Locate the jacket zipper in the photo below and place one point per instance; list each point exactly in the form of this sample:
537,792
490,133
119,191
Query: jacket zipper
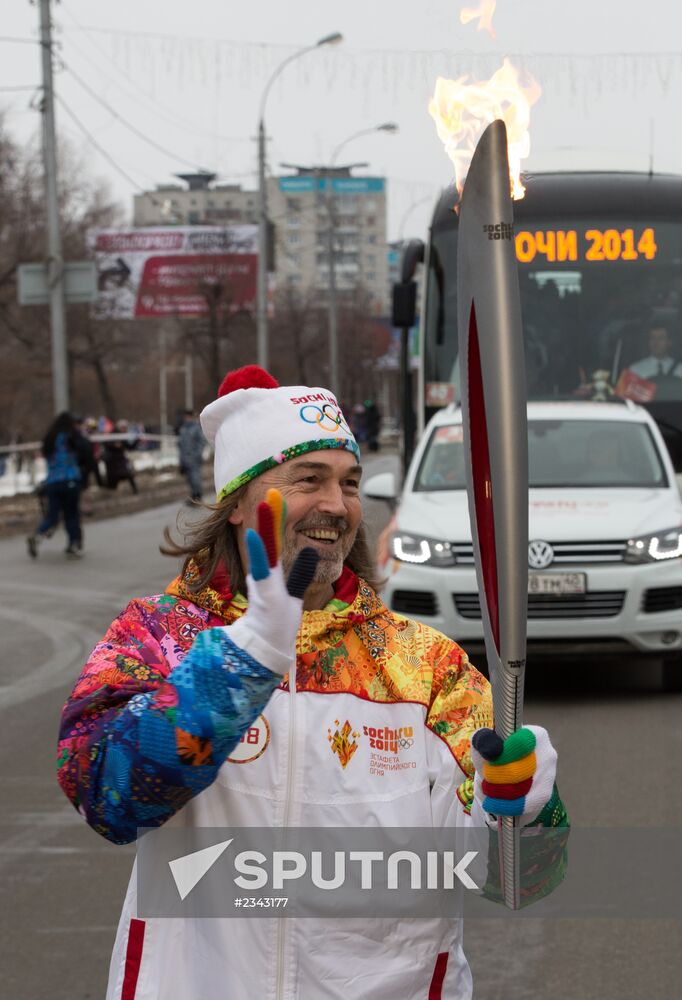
291,761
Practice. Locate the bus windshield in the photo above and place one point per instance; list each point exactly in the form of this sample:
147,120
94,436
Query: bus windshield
601,302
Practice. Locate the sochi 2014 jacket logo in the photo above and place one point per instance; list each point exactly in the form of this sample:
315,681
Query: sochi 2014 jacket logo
390,740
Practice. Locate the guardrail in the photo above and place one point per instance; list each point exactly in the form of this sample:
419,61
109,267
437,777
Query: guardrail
22,467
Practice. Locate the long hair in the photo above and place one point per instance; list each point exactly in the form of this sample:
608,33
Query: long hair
62,424
213,540
209,542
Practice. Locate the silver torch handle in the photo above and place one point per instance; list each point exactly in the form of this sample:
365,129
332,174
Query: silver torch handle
493,393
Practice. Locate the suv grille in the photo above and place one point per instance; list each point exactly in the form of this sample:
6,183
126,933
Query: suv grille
662,599
597,604
565,553
414,602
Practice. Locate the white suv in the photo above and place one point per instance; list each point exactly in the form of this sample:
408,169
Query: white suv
605,531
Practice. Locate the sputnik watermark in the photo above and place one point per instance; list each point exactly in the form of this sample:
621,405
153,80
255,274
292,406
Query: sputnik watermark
375,869
339,871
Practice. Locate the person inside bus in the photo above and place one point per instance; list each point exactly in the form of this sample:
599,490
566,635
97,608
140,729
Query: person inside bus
660,361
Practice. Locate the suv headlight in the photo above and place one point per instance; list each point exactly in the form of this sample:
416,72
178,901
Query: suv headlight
666,544
417,549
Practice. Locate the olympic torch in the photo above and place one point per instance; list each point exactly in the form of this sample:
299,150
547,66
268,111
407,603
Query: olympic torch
493,393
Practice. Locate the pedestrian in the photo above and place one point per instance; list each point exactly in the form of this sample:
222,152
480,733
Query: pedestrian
357,423
118,466
62,487
372,424
191,443
185,714
87,459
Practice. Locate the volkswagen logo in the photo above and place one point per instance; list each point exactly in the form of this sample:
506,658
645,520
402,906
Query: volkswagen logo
540,555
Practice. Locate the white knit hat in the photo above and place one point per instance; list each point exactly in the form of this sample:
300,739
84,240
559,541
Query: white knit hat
256,424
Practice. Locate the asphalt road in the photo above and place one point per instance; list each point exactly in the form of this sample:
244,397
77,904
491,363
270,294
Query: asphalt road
620,752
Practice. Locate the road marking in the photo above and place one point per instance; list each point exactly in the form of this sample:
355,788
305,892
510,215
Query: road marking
72,643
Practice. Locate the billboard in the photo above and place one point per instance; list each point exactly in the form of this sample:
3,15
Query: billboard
170,270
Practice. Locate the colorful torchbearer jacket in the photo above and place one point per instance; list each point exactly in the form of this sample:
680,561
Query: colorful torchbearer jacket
171,723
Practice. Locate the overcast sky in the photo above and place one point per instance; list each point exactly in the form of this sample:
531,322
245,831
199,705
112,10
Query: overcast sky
189,76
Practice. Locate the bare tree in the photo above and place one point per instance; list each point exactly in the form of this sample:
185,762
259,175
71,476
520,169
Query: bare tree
25,340
298,336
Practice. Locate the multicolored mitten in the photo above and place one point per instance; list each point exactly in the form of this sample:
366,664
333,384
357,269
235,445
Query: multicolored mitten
514,777
267,631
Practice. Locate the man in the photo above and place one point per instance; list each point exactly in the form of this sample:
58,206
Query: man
151,733
191,444
659,361
372,424
118,466
85,451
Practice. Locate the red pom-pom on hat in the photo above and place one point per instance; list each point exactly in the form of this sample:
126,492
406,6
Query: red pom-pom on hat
248,377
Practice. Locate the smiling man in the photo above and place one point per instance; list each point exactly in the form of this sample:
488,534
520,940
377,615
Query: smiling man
323,511
185,716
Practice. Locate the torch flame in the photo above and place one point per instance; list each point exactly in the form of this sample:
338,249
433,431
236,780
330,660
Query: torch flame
462,111
484,12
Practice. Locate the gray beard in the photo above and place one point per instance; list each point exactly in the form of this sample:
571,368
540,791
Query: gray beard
328,569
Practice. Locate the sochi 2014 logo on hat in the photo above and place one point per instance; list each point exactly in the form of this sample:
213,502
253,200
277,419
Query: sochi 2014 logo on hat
323,411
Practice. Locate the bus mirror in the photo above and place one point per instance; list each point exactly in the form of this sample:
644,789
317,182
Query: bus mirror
413,254
404,304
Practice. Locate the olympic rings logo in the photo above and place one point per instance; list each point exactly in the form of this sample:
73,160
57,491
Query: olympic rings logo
327,418
405,744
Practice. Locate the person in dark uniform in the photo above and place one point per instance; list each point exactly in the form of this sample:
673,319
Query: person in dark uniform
116,461
372,424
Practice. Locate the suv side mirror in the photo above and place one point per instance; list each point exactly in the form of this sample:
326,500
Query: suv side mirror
382,486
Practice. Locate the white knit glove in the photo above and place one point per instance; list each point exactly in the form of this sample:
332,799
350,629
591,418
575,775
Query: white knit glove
514,777
267,630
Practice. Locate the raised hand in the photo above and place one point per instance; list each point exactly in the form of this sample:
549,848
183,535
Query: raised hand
268,628
514,777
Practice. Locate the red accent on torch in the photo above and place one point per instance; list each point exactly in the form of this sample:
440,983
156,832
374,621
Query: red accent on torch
482,479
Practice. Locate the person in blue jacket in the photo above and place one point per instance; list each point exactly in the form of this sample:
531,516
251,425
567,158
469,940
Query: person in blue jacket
62,488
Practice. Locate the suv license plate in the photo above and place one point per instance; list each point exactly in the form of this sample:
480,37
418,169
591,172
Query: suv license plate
556,583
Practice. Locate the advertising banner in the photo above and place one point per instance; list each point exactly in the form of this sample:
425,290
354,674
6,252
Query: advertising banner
173,270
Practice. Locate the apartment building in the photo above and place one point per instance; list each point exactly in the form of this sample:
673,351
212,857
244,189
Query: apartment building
200,202
302,206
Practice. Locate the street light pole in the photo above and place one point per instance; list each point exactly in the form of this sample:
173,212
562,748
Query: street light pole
333,317
262,274
332,309
55,263
262,286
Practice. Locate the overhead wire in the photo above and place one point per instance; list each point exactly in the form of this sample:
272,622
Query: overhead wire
118,117
155,105
100,149
225,176
496,54
132,128
106,155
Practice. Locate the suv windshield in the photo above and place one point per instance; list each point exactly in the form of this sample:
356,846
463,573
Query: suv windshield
561,453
